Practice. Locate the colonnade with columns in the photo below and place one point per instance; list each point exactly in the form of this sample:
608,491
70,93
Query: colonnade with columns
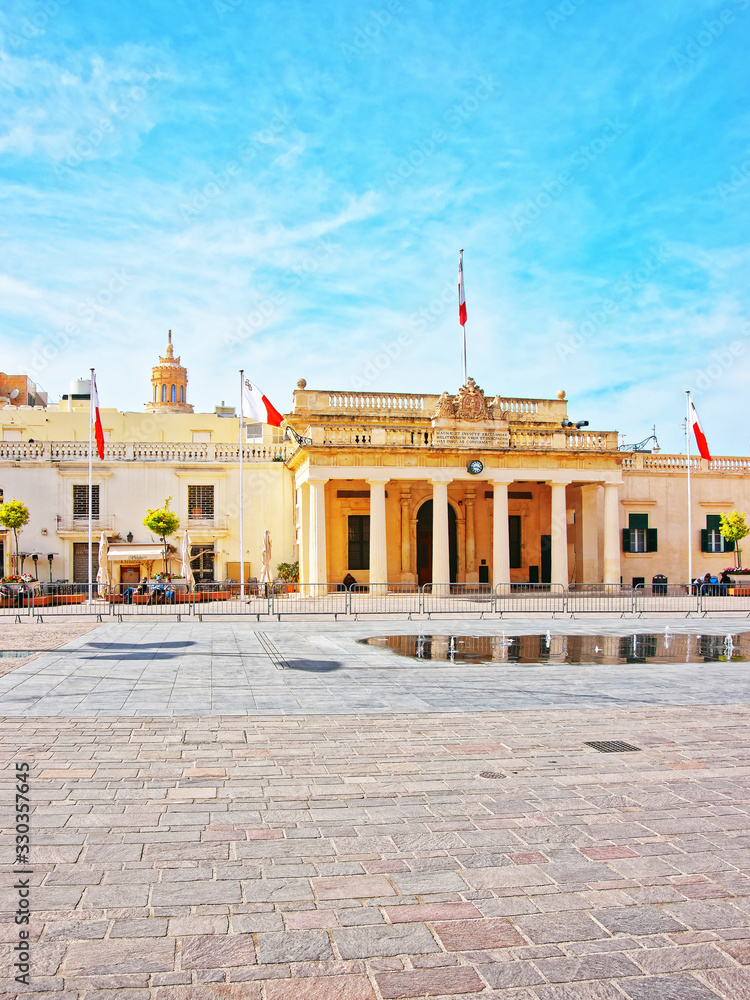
311,506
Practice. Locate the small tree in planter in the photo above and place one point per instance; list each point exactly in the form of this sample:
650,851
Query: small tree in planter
288,573
14,515
734,528
162,522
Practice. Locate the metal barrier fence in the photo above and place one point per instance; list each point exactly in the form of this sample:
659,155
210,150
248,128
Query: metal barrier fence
611,598
671,597
523,598
309,599
385,599
231,599
453,599
457,598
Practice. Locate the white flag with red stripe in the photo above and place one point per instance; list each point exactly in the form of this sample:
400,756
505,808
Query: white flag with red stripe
256,406
461,295
700,437
97,421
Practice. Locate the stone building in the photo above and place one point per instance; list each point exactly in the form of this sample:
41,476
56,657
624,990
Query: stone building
385,487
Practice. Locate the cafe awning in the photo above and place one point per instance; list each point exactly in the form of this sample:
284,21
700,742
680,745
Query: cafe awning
147,552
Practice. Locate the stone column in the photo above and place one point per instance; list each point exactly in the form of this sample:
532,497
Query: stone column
318,572
611,533
405,532
441,570
378,545
500,535
303,519
559,534
471,555
590,534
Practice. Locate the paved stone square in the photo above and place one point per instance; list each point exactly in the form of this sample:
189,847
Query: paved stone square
218,814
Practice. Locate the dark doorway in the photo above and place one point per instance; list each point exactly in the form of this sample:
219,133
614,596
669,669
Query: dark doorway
130,575
424,544
546,541
80,561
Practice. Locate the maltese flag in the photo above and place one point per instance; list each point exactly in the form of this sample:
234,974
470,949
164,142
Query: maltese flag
97,422
700,437
256,406
461,295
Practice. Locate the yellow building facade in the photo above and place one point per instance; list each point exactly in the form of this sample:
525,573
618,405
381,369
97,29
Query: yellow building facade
407,488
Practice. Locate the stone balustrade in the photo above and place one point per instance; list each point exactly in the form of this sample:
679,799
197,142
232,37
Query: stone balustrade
125,451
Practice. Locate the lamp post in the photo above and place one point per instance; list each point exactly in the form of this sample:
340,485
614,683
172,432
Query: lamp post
50,557
35,557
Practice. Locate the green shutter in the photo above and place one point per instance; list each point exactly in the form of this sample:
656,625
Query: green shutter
728,546
626,539
636,521
704,539
651,540
713,522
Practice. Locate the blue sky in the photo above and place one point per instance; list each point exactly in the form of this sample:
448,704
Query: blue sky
287,185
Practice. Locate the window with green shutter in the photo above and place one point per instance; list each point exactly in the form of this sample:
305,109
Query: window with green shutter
712,539
638,537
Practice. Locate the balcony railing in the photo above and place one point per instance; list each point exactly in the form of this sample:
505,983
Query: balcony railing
80,525
125,451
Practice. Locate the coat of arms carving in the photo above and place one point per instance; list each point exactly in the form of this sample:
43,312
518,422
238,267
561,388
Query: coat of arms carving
470,402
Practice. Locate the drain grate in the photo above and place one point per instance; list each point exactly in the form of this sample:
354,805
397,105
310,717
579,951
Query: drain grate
611,746
491,774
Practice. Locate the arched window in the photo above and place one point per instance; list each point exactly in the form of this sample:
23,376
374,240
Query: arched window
172,396
182,393
163,394
154,392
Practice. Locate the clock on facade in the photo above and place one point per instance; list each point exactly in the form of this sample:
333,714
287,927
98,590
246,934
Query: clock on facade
474,467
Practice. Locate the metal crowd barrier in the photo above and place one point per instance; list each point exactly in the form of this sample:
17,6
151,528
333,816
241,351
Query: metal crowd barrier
384,599
672,597
457,598
309,599
610,598
301,599
522,598
231,599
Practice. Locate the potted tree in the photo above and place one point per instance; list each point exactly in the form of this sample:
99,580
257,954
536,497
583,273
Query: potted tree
162,522
734,528
14,515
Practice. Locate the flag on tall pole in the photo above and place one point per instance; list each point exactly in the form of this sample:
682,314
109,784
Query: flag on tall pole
256,406
98,432
462,306
700,437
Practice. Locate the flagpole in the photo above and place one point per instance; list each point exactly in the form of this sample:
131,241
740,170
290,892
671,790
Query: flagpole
689,496
242,497
463,325
91,481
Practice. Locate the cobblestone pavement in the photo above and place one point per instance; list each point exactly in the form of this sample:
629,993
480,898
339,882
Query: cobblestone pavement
357,856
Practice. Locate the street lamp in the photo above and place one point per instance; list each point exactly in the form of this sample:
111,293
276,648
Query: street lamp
50,557
129,536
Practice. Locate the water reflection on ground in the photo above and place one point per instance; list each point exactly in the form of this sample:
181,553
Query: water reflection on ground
651,647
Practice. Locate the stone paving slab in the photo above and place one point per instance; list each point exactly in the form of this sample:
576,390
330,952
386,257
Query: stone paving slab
359,856
169,668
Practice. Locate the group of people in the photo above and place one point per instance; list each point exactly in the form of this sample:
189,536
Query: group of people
714,586
160,592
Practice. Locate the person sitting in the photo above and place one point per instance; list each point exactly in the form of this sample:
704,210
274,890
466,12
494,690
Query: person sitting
348,581
724,583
